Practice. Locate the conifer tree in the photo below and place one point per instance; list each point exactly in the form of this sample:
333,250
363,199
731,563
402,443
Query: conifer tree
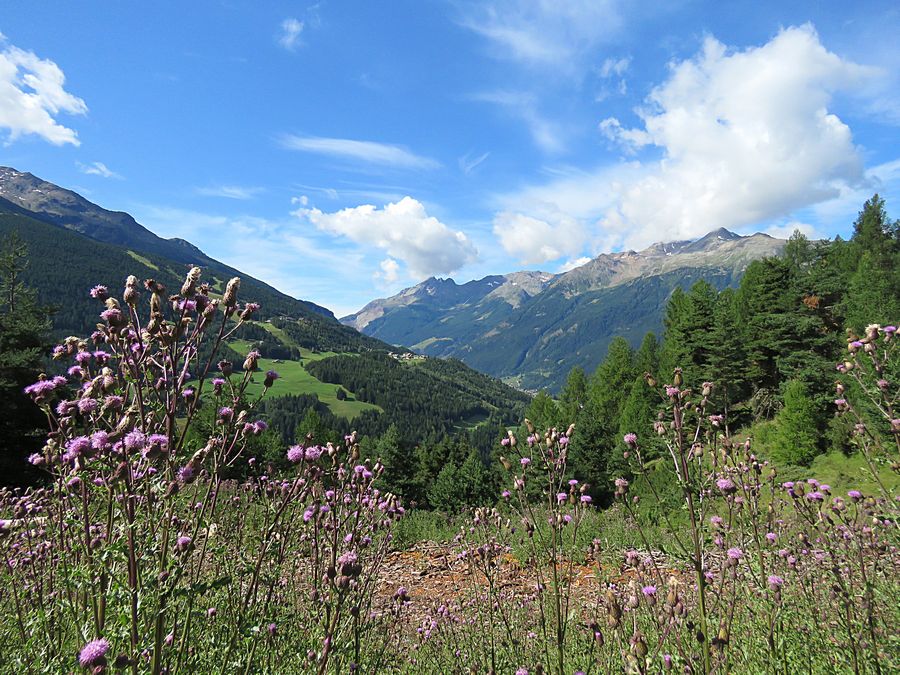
796,436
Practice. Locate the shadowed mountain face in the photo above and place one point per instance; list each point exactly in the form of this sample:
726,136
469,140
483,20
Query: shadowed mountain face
534,327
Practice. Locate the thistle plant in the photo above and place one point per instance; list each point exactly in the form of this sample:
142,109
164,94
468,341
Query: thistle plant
138,554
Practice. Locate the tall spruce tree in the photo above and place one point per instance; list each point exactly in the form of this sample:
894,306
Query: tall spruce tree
24,328
596,448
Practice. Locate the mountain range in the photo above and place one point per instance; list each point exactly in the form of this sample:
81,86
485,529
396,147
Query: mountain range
532,328
326,367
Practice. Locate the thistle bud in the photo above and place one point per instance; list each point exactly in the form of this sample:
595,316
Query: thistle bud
190,283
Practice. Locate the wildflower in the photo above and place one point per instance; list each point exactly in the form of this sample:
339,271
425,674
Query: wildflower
561,497
295,454
726,486
649,591
855,495
134,439
563,441
630,439
522,671
87,405
716,521
93,654
251,360
775,582
217,384
313,452
504,441
525,461
183,543
671,391
272,629
505,494
211,612
815,496
771,537
226,414
271,376
100,292
586,499
735,553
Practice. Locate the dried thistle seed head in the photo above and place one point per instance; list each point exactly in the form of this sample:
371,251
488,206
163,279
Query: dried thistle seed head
229,299
188,288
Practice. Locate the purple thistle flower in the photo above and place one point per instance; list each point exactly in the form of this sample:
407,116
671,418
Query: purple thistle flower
775,582
93,654
135,439
87,405
561,497
295,454
735,553
313,452
271,376
815,496
630,439
525,461
99,292
726,486
771,537
504,441
226,413
855,495
183,543
586,499
649,591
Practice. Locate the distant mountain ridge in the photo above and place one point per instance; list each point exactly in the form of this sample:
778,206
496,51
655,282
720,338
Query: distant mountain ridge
533,327
26,195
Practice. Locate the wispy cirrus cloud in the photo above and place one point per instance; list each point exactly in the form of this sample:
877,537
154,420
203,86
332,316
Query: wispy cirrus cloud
98,169
546,134
289,33
543,32
370,152
468,163
32,95
229,191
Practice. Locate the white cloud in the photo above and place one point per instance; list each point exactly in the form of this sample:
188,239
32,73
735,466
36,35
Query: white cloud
572,263
543,32
364,151
467,163
547,135
787,229
403,230
32,94
390,271
229,191
289,34
617,67
747,138
534,240
97,169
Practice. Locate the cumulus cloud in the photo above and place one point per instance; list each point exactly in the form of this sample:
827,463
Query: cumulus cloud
535,240
787,229
229,191
543,32
97,169
390,271
571,264
365,151
289,33
32,95
746,138
404,230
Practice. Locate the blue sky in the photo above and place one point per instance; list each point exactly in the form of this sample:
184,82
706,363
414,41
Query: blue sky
345,150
